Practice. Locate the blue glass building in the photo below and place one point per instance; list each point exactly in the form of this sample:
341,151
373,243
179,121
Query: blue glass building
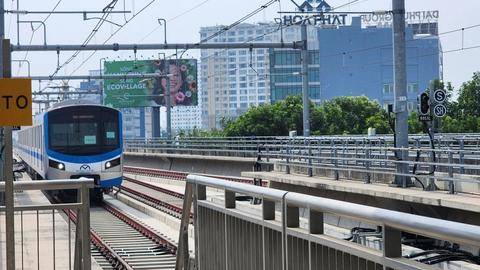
355,61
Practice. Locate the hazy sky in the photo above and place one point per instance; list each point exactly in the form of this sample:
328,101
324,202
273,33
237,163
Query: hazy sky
185,17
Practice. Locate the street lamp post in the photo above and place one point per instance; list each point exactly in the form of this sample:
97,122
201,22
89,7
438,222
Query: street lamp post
160,20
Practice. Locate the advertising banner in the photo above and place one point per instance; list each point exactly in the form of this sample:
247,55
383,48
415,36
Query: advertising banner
151,92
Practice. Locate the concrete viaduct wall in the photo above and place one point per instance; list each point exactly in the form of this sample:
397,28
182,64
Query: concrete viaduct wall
230,166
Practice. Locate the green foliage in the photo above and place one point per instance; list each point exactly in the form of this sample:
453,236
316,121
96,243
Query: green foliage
464,115
469,98
268,120
350,115
342,115
415,126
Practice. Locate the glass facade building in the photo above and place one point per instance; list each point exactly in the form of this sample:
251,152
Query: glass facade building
353,61
286,75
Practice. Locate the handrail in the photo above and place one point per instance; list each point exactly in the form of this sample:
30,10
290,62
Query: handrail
426,226
51,184
82,185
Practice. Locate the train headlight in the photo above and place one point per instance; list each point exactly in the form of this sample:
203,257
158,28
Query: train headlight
112,163
57,165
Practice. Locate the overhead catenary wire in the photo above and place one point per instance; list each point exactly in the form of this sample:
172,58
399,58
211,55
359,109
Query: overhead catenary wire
113,34
90,36
174,18
33,34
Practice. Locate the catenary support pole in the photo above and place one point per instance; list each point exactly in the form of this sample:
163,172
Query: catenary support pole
6,150
156,122
306,101
168,105
7,157
400,88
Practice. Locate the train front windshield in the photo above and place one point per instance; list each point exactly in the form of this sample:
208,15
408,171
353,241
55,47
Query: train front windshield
86,130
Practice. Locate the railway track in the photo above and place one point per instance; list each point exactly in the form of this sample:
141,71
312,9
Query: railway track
180,176
165,200
120,242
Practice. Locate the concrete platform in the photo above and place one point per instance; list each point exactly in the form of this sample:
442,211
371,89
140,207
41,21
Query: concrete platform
42,241
437,204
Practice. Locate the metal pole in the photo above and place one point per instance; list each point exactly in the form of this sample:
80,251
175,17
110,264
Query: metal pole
2,35
86,256
169,107
155,46
155,122
18,24
400,102
7,156
306,101
164,28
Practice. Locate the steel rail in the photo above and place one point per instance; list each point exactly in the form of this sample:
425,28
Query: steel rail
142,229
154,187
156,203
181,176
112,257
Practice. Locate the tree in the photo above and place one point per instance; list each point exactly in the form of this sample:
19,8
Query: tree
351,115
469,97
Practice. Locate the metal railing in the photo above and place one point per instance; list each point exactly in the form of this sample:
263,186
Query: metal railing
34,248
228,238
455,158
250,146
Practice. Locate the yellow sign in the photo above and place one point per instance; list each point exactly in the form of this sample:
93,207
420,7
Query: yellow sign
15,102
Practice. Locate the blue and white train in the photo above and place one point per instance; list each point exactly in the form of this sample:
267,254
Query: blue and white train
75,139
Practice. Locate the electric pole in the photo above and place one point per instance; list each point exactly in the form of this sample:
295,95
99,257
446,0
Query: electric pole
306,103
400,88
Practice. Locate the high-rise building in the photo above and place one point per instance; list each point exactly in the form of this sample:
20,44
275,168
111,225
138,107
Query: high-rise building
286,74
357,59
232,80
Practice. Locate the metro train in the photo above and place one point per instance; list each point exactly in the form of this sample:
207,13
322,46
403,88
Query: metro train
75,139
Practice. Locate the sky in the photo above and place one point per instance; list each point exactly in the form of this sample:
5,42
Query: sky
184,19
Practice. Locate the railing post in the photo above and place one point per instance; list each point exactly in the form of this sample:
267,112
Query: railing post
287,158
315,222
392,242
268,209
335,162
451,184
201,192
293,217
367,165
85,220
356,152
310,169
462,156
229,199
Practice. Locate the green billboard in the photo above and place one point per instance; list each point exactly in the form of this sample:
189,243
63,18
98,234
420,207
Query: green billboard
151,92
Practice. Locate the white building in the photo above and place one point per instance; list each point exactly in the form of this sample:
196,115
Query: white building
185,118
233,80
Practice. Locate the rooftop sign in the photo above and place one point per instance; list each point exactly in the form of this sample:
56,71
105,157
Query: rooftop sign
319,12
